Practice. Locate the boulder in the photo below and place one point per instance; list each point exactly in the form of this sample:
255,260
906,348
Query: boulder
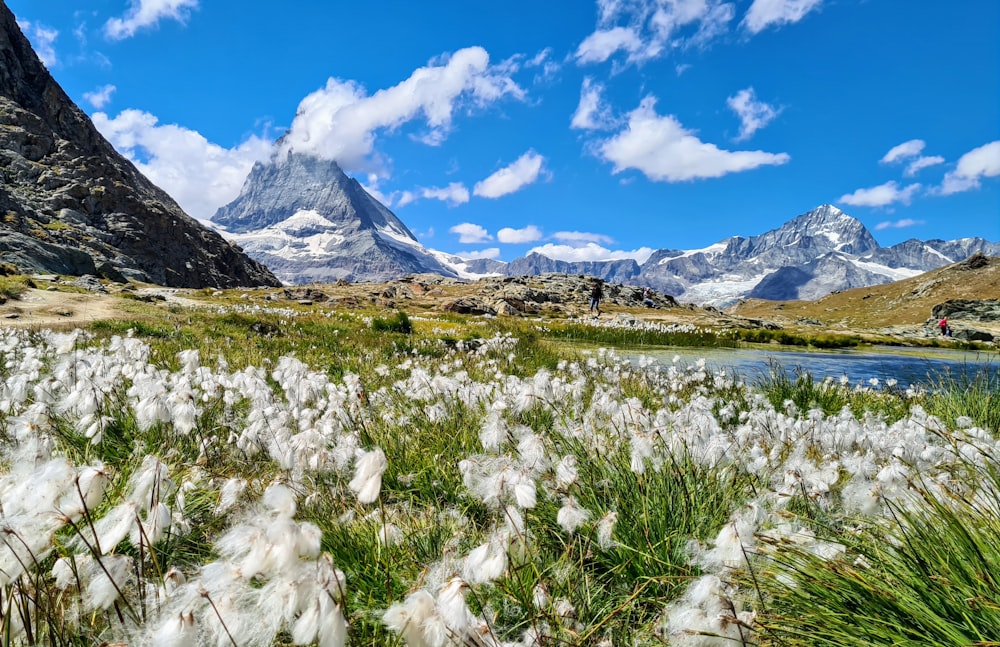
986,310
469,306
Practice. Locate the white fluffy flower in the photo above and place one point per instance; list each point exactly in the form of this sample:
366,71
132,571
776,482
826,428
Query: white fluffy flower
367,481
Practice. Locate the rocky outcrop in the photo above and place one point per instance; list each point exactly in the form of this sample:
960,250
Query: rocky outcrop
986,310
70,204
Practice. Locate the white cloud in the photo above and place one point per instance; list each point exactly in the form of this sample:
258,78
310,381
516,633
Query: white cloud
579,237
147,13
42,41
454,194
921,163
405,198
898,224
489,252
903,151
512,236
881,195
341,121
603,43
471,233
649,29
764,13
592,113
590,252
199,175
753,114
663,150
976,164
524,171
910,150
100,97
548,68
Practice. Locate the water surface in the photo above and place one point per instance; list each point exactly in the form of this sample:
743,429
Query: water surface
906,366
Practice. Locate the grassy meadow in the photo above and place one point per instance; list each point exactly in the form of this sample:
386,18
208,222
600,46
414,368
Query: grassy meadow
246,474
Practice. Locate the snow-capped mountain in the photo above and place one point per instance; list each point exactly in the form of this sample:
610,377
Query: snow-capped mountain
809,256
307,221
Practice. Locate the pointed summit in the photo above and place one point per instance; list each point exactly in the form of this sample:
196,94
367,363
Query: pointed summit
304,218
72,205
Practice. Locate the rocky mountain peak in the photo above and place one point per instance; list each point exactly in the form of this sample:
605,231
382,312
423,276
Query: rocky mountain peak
70,204
292,183
825,229
308,221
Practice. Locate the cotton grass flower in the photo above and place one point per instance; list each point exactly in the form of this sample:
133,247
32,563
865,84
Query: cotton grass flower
367,481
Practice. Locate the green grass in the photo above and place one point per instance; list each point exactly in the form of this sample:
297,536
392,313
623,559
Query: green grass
973,393
397,323
13,287
786,338
928,578
626,337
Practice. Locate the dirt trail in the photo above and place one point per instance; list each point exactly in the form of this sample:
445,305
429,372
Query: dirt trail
55,308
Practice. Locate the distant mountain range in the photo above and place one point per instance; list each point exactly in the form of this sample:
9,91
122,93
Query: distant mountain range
70,204
309,222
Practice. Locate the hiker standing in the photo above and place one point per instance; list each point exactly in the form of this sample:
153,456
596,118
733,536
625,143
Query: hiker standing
596,294
943,325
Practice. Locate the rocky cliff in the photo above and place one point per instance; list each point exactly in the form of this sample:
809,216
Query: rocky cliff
70,204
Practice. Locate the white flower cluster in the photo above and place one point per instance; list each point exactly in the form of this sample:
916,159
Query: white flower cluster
268,573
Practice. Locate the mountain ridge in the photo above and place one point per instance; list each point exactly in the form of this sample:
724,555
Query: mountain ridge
71,204
309,222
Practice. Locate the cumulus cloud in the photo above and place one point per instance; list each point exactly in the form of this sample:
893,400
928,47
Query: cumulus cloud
489,252
581,237
881,195
903,151
454,194
100,97
921,163
341,121
898,224
603,43
764,13
649,29
199,175
910,150
513,236
590,252
663,150
971,168
524,171
753,114
147,13
592,113
42,41
471,233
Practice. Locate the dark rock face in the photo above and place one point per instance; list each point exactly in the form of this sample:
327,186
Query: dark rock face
967,310
70,203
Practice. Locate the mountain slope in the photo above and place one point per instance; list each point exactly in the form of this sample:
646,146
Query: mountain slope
809,256
908,302
69,203
307,221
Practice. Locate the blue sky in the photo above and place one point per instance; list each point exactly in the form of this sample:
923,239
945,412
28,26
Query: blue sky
583,129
